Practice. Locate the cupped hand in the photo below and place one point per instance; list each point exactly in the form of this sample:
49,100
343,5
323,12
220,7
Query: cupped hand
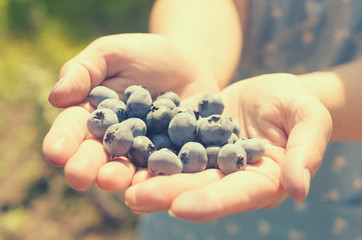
117,62
295,127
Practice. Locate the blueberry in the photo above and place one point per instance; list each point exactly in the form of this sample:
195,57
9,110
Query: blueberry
212,152
164,162
138,104
100,93
233,138
162,141
193,156
131,89
99,120
118,140
231,158
183,109
140,151
211,104
158,119
214,130
182,129
137,126
191,109
236,126
117,106
170,95
253,147
164,102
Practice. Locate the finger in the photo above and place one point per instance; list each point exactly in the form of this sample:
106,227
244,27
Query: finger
86,70
65,135
305,149
116,175
141,175
82,168
237,192
157,193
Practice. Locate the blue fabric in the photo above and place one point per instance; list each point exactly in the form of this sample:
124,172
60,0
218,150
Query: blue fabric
295,36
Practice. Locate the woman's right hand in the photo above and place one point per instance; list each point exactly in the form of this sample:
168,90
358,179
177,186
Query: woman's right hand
116,61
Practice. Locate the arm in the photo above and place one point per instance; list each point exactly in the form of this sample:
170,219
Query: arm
340,90
207,30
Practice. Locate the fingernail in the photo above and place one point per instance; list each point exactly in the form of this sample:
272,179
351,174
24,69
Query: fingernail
171,213
307,179
58,83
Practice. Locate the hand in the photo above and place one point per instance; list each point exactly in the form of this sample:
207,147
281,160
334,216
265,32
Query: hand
295,126
117,62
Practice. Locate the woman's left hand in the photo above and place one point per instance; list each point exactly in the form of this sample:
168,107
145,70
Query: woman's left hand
295,127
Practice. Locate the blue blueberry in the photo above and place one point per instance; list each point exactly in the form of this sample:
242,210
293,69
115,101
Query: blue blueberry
253,147
140,151
211,104
117,106
236,126
214,130
137,126
138,104
212,152
118,140
182,129
131,89
192,109
231,158
164,162
183,109
233,138
162,141
164,102
100,93
170,95
158,119
193,156
99,120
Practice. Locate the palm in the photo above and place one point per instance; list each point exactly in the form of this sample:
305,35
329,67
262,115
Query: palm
276,108
117,61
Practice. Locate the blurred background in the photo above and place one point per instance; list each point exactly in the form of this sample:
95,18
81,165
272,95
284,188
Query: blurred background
36,38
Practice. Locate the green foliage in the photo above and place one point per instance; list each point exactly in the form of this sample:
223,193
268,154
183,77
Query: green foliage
36,38
81,19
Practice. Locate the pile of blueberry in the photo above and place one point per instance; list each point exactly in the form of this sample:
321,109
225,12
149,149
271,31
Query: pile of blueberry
167,137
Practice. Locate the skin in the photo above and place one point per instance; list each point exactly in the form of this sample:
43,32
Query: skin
293,115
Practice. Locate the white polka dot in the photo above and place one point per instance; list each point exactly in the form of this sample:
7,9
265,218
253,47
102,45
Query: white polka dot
232,229
341,34
339,225
271,47
313,8
357,183
307,38
339,163
300,206
295,234
263,228
332,195
277,13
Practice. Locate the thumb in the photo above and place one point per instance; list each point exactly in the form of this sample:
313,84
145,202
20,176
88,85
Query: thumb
306,145
85,71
